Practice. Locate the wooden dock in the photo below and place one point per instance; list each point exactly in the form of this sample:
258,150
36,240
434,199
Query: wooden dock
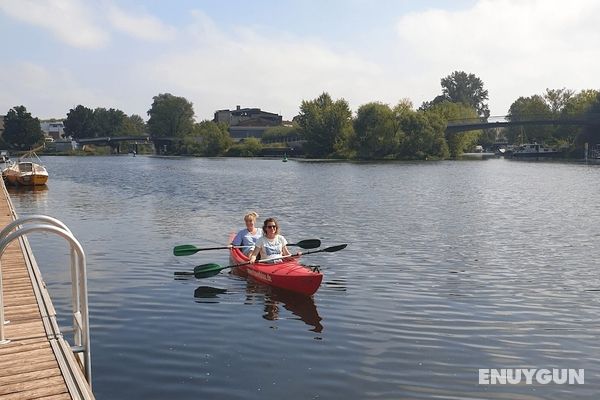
37,362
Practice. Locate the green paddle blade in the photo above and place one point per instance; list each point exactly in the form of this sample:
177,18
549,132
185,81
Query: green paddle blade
204,268
185,250
207,274
335,248
308,244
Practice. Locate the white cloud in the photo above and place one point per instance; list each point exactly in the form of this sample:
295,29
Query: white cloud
145,26
518,48
45,92
217,70
70,20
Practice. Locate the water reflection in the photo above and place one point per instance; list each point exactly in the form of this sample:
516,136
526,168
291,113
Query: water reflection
273,299
24,190
208,292
298,304
336,284
35,196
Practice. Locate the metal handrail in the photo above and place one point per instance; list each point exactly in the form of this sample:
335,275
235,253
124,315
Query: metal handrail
81,337
36,217
53,221
7,229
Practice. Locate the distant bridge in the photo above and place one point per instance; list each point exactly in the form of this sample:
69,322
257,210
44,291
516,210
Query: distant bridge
506,121
115,141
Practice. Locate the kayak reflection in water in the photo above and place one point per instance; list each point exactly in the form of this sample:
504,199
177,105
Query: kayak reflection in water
271,244
301,306
275,302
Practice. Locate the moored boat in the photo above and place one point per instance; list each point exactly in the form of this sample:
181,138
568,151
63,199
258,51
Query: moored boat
25,173
288,274
535,150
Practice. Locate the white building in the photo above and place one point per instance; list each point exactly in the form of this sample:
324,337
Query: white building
54,129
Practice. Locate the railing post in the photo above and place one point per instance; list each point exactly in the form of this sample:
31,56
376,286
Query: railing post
5,231
3,339
78,276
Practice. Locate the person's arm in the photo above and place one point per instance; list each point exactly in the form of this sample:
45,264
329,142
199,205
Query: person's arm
285,251
253,255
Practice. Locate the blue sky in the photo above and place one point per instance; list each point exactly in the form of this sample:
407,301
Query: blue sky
274,54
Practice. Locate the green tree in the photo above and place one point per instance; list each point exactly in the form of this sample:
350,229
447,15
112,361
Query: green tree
575,106
527,108
214,139
376,132
133,125
440,148
460,87
557,99
326,126
190,144
457,142
404,105
170,116
21,130
80,123
424,135
249,147
591,133
109,122
579,103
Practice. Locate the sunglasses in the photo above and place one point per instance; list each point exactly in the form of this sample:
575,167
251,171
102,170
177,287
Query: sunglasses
271,226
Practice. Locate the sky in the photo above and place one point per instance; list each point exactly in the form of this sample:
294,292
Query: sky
273,54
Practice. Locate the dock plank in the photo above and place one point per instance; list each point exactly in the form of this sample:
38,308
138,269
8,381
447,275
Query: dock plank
31,385
38,392
10,374
63,396
26,376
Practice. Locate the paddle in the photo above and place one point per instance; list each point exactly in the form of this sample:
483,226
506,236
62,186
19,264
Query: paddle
208,270
189,249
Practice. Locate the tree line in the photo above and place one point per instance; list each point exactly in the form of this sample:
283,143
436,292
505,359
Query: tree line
557,104
328,128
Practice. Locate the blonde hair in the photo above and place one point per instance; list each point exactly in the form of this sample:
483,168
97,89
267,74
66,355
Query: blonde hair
251,215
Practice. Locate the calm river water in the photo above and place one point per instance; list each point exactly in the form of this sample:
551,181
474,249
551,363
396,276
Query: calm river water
450,267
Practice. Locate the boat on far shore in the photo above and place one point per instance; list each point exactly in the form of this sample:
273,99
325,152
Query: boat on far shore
476,155
535,150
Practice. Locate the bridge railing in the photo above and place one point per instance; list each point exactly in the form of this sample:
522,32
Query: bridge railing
575,118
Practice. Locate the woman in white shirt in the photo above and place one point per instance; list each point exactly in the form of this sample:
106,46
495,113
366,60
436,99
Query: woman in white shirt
271,244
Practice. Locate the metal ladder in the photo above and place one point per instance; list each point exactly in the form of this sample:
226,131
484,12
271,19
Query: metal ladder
81,331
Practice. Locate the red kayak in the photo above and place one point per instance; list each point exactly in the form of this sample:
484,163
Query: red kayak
288,274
